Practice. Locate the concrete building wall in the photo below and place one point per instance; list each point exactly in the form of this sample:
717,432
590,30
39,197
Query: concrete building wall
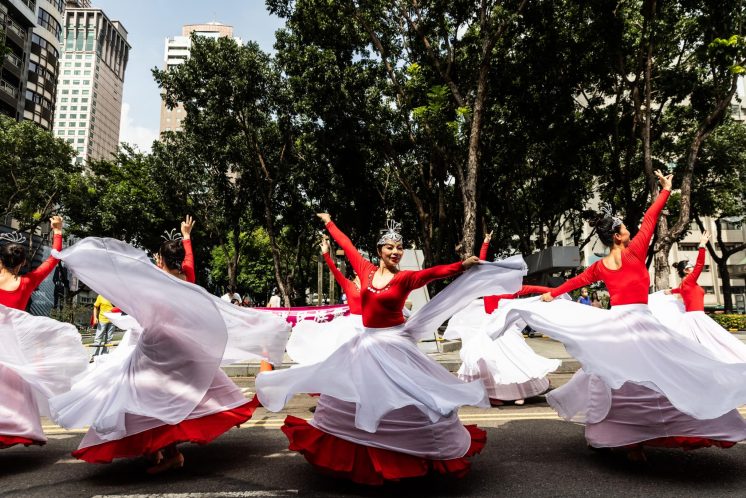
177,50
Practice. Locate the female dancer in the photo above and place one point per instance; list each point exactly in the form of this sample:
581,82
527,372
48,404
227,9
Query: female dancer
387,411
16,289
643,384
509,368
38,356
310,341
694,323
167,388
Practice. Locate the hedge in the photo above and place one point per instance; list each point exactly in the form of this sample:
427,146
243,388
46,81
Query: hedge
730,322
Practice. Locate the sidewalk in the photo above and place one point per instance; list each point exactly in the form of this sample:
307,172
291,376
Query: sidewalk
449,358
542,345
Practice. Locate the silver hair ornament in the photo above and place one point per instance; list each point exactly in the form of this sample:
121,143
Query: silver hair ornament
608,213
172,235
13,237
391,232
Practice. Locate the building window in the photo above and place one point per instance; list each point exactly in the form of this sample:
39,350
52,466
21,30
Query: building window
48,22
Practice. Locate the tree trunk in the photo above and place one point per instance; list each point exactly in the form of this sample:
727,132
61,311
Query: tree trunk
725,277
469,183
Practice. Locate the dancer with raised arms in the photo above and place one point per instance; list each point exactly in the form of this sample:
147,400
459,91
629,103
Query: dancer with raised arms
167,386
38,356
641,383
386,410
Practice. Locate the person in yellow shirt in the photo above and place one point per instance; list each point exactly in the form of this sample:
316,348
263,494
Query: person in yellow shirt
104,327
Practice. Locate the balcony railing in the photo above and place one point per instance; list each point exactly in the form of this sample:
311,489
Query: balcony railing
15,60
8,88
16,28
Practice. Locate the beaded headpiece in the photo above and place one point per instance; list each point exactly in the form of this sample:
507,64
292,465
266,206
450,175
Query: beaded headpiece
13,237
616,220
391,232
172,235
689,264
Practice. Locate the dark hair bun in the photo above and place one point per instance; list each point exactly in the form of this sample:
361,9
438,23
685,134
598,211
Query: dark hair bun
680,266
172,254
603,225
12,256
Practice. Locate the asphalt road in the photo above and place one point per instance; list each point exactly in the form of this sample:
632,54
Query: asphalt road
529,453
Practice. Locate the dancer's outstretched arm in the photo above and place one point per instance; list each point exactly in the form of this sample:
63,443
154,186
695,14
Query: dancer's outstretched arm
639,244
187,266
358,262
36,276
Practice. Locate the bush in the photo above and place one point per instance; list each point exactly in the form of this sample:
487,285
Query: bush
731,322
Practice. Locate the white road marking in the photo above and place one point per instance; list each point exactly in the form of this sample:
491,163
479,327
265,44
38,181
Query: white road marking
217,494
69,461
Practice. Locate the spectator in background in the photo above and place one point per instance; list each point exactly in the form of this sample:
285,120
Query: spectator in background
246,303
595,301
584,297
104,327
275,301
230,295
61,285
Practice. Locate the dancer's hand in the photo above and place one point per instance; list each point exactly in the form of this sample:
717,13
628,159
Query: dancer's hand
325,217
488,236
324,245
470,261
547,297
186,227
56,222
704,238
665,181
667,292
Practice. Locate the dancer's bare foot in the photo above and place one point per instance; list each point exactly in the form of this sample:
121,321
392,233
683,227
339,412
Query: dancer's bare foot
156,457
172,462
519,402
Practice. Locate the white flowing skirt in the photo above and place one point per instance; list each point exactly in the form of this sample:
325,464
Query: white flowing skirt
635,414
627,344
508,366
312,341
168,367
39,357
698,327
383,374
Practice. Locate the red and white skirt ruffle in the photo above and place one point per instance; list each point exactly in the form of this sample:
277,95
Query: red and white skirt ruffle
198,430
368,465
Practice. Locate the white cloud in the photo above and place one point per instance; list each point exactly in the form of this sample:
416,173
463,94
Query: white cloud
129,132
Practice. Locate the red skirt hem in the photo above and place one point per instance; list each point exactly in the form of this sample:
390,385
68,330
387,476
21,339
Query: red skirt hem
686,443
198,430
368,465
8,441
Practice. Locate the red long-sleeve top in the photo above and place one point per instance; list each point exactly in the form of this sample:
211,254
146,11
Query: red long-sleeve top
692,294
383,307
187,266
491,302
18,298
348,287
630,283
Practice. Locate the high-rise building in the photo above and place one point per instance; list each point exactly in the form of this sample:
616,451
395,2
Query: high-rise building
89,90
17,18
43,63
177,52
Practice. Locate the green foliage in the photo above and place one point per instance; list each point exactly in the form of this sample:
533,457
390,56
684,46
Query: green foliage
36,172
255,274
730,322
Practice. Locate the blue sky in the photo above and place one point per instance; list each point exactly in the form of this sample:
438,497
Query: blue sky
149,23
